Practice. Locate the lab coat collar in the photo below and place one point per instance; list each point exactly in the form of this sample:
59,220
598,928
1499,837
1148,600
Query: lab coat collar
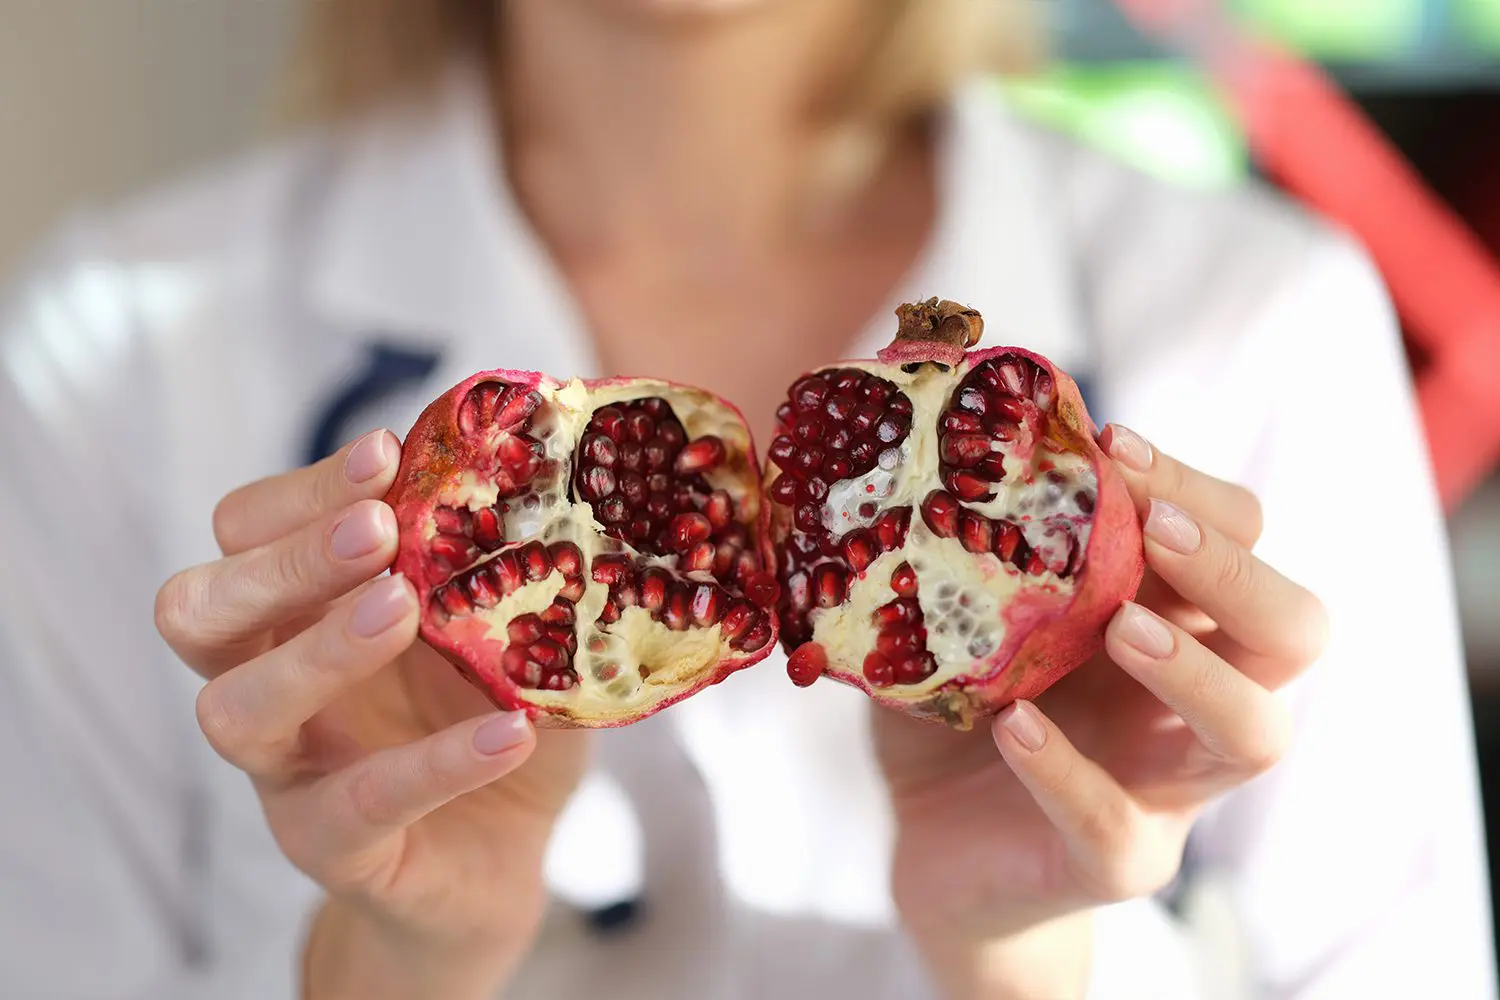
420,237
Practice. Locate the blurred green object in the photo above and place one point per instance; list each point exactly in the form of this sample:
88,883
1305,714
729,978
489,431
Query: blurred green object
1161,117
1342,29
1477,23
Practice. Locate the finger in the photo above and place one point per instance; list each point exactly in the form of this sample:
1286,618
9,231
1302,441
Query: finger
218,614
269,508
1110,847
1148,473
253,714
389,790
1252,604
1241,724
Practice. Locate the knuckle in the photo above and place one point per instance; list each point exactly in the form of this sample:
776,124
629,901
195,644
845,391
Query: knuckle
1264,744
1253,514
1235,570
178,608
367,796
219,722
1139,866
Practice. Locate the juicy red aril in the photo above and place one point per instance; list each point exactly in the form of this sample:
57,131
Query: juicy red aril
904,580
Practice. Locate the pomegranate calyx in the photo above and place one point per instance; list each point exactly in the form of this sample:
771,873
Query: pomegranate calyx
938,331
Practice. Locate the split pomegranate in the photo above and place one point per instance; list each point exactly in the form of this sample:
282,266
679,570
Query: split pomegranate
589,551
948,535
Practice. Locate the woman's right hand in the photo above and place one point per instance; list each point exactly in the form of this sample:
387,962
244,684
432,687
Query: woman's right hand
378,766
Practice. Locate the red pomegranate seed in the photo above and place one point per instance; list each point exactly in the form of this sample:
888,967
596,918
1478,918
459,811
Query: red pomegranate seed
676,614
455,550
547,654
482,590
707,604
558,613
719,509
567,558
519,668
700,559
633,488
738,619
510,572
799,592
783,449
596,483
904,580
453,600
573,589
524,629
890,528
1007,538
757,637
915,668
745,567
895,643
687,530
1035,566
762,589
975,532
905,611
640,427
609,614
598,449
489,529
878,670
478,408
613,511
702,455
807,394
654,589
521,457
967,486
632,457
538,563
560,681
955,421
830,585
860,550
624,594
516,406
963,450
940,512
837,467
862,455
611,569
451,520
1041,392
807,663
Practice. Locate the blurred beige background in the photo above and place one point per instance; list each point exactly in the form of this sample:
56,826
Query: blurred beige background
100,97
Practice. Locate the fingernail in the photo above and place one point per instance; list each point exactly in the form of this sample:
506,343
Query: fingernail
501,732
1172,528
1142,630
370,456
1127,447
1022,723
362,531
382,606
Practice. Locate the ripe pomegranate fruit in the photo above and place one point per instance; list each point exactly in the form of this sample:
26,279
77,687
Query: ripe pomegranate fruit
590,551
947,533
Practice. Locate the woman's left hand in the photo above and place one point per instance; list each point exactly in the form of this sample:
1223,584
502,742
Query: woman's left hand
1096,786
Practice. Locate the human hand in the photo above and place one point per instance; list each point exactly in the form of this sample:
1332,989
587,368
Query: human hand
1096,786
378,766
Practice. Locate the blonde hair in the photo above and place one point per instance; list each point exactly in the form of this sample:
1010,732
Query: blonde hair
355,53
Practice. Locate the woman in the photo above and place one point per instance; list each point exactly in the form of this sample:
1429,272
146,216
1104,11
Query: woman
725,194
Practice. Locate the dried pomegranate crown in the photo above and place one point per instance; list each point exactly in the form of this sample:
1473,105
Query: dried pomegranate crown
590,551
948,535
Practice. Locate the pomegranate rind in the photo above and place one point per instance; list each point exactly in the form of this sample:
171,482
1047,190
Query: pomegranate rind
436,457
1048,639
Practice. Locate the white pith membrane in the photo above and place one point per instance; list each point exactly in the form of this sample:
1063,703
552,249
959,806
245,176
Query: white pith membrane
976,607
622,669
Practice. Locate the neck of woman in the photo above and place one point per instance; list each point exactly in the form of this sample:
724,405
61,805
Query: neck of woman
632,130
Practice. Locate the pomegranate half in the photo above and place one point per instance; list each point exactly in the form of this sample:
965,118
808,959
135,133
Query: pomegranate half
588,551
947,533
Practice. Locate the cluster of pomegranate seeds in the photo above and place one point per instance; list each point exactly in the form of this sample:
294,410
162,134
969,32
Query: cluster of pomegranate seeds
900,655
836,425
681,603
1003,400
542,645
506,411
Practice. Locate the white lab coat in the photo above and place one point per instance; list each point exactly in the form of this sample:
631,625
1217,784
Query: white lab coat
156,354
